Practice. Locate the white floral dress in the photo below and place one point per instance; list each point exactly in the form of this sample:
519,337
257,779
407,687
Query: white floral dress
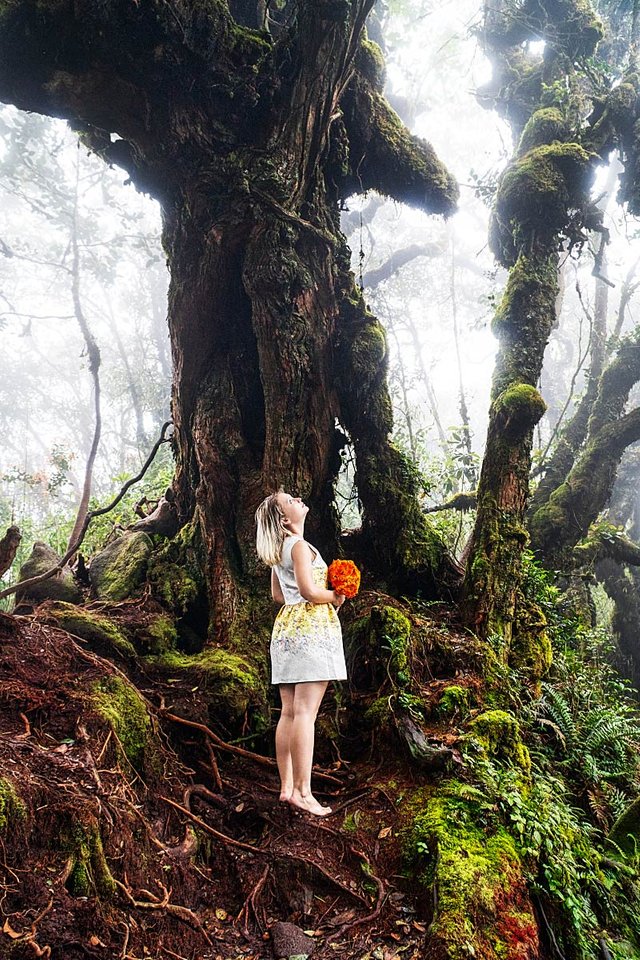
306,643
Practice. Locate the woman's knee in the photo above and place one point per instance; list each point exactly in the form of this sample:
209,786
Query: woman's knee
287,712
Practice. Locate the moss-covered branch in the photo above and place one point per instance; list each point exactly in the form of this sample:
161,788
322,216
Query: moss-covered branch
383,154
561,523
604,540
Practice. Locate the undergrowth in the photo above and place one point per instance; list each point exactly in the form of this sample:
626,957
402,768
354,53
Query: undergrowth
582,730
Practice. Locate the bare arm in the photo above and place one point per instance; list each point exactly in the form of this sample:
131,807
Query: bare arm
276,589
302,559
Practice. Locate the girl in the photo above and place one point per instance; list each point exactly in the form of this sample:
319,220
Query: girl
306,644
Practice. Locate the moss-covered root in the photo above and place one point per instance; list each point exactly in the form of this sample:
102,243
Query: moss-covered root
482,908
231,685
119,704
13,810
87,872
95,628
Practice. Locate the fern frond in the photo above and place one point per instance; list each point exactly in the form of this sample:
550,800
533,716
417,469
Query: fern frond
557,707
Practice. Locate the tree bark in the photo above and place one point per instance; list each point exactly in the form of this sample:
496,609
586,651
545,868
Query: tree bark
542,198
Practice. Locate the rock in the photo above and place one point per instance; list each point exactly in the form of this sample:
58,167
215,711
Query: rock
290,942
61,586
120,568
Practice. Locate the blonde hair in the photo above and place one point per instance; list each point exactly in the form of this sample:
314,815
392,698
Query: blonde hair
270,533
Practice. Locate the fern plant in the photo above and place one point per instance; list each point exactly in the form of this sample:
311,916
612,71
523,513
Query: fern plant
599,744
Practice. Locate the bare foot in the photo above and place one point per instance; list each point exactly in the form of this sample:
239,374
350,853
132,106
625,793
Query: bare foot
309,804
285,795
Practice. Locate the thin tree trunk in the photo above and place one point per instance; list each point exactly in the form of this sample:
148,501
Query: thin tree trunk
93,355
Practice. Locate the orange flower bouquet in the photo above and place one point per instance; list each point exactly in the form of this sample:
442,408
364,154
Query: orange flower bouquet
344,577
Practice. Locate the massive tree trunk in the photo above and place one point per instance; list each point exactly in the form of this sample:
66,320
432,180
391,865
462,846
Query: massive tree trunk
250,142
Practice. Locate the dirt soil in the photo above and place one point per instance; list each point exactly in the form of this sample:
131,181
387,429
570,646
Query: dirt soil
179,847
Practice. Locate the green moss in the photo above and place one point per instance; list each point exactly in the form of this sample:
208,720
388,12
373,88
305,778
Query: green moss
231,682
535,195
518,409
525,311
121,567
548,525
368,356
370,63
530,650
350,822
12,808
544,126
175,572
427,182
454,701
118,702
385,632
480,896
498,734
90,626
89,873
379,714
158,636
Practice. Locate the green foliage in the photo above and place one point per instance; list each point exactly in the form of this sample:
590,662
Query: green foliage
599,744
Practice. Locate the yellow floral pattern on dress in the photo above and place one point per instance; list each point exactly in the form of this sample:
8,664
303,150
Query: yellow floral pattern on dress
306,643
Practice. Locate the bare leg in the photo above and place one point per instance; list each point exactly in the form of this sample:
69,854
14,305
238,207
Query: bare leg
283,741
306,702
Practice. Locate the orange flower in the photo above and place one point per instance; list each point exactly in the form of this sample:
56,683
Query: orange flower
344,577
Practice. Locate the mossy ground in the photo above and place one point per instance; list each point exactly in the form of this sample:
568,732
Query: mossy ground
477,873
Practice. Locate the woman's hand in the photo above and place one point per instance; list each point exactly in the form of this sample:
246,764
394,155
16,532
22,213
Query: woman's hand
338,599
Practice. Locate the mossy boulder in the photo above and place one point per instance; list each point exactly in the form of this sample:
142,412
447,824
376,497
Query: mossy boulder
97,630
497,733
121,567
120,705
62,586
453,702
482,908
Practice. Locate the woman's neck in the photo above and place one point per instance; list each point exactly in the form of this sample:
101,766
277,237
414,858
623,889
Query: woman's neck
296,529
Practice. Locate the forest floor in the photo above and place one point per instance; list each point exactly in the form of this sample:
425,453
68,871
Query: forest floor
128,830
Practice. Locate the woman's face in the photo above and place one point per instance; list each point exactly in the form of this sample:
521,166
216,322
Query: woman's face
292,508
